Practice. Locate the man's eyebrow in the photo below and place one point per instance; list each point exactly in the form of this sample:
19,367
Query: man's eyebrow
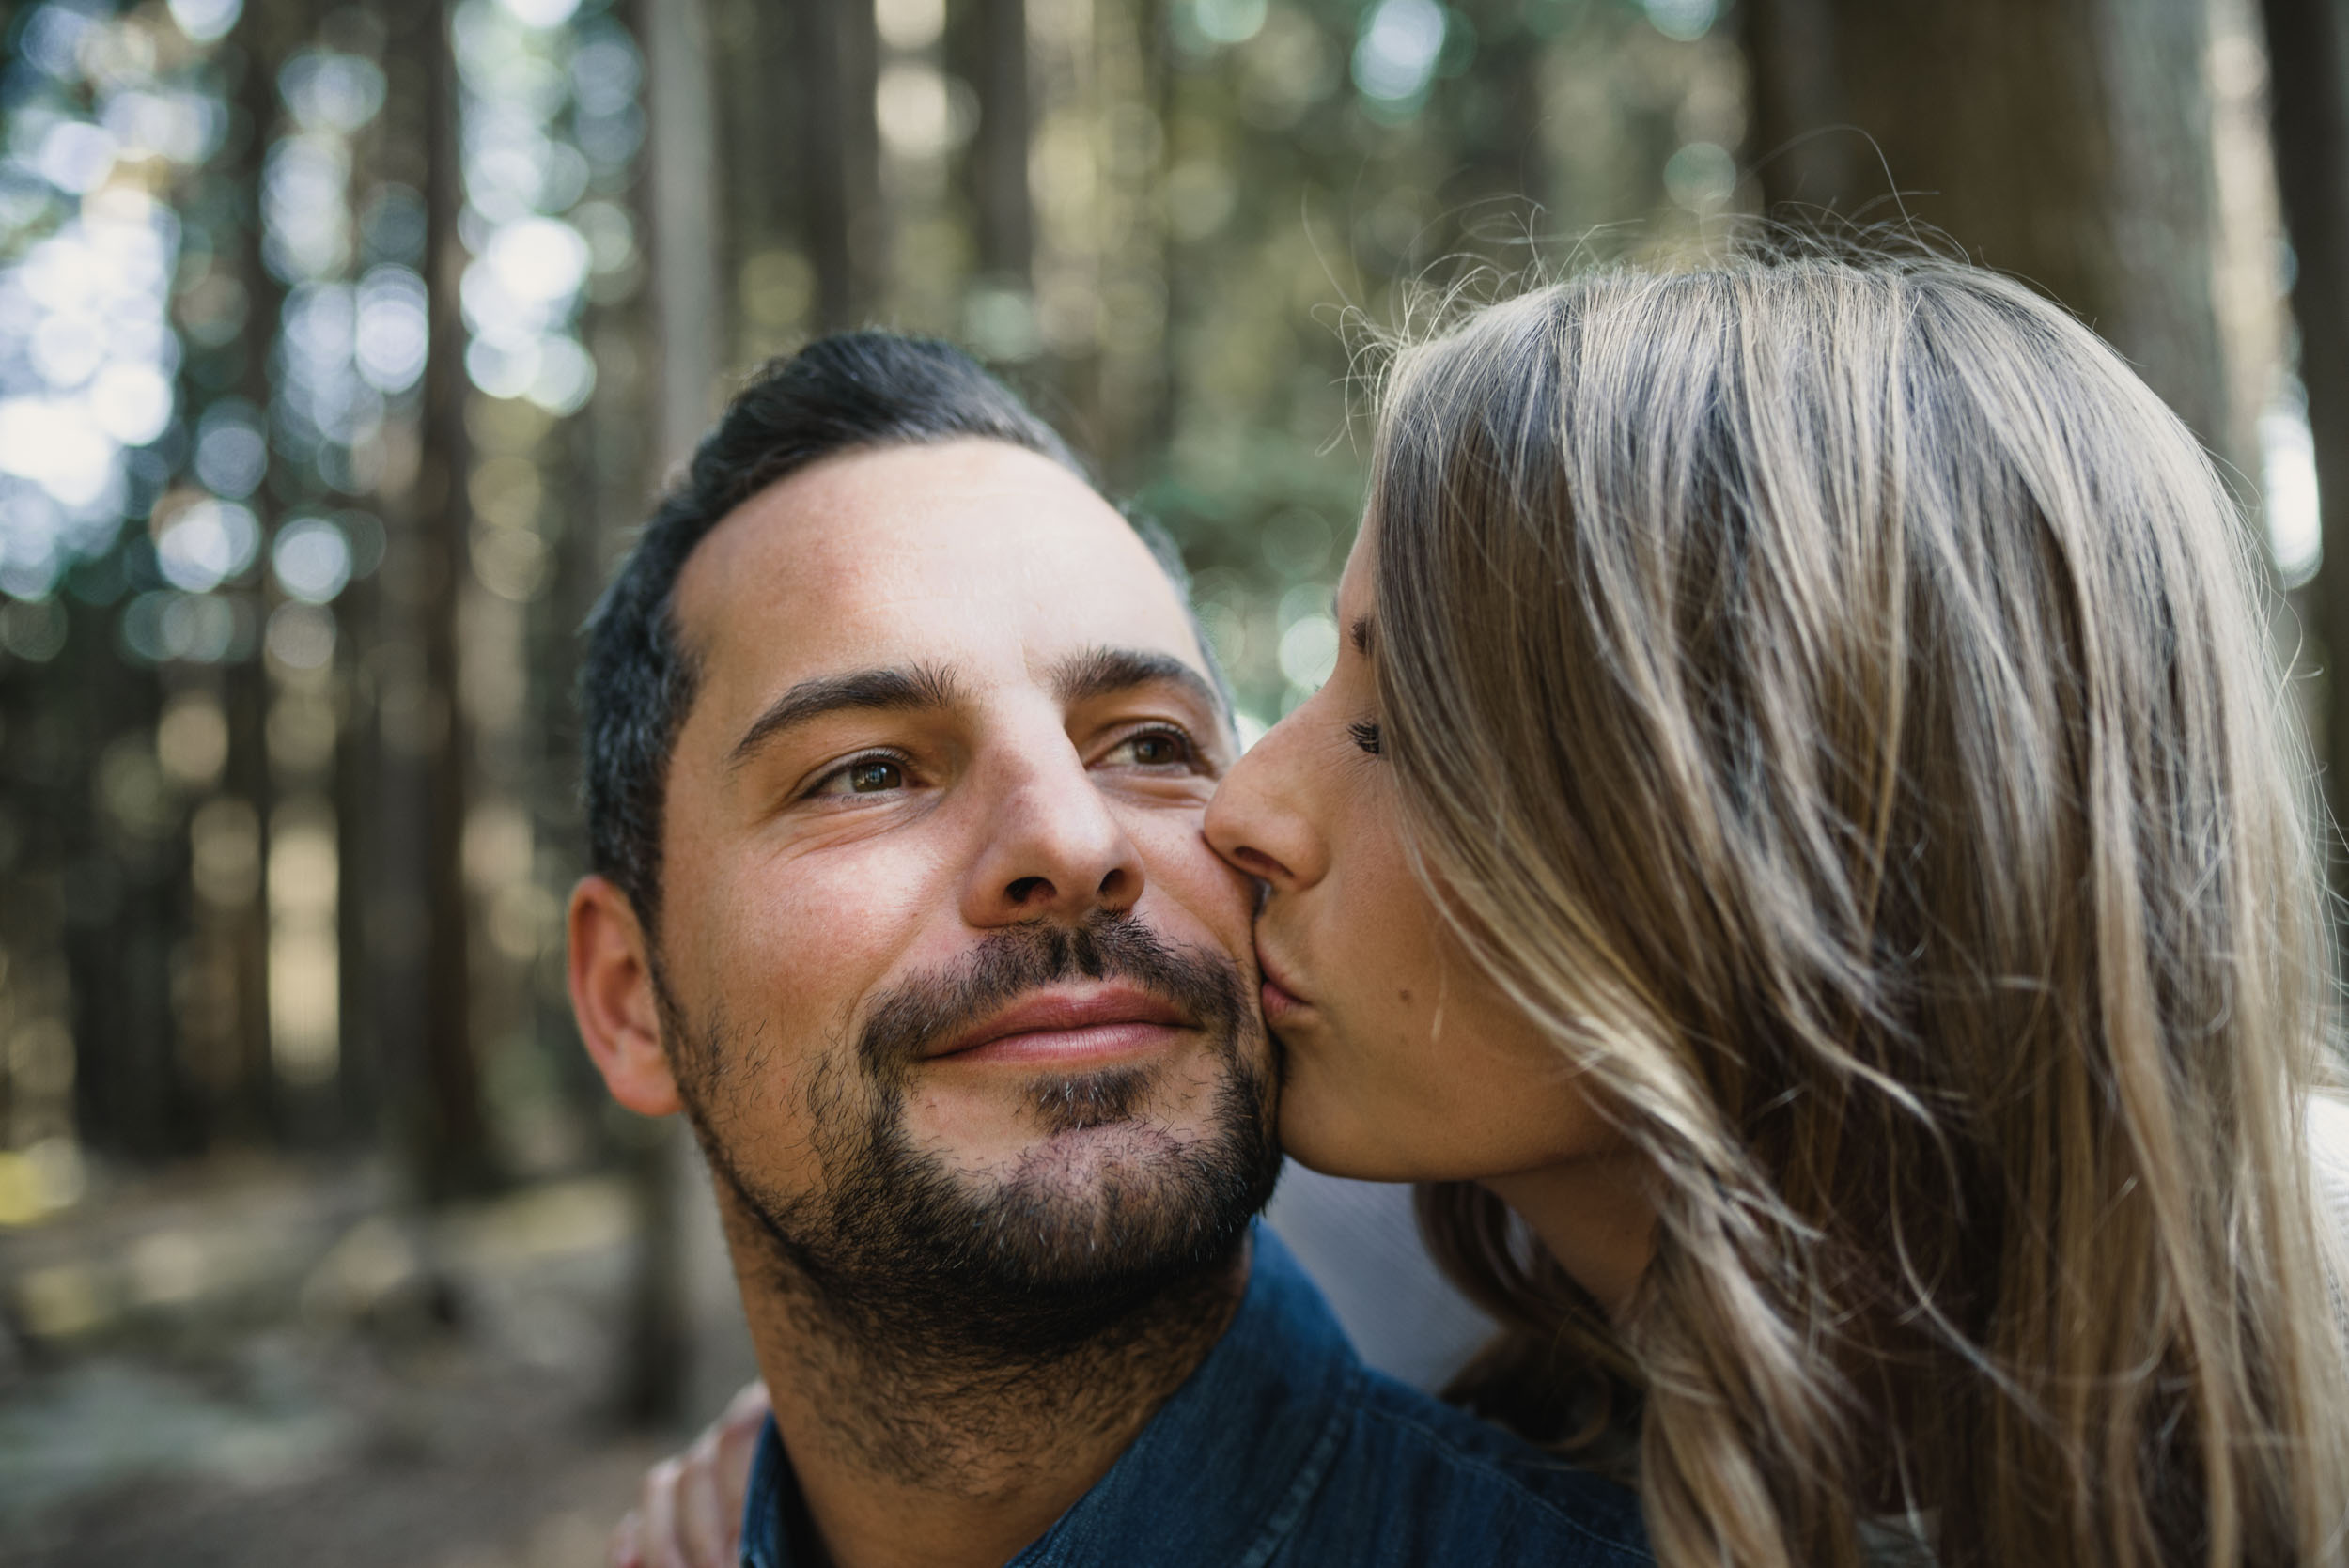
1359,632
881,691
1099,672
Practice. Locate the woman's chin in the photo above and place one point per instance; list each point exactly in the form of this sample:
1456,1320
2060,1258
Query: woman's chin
1341,1142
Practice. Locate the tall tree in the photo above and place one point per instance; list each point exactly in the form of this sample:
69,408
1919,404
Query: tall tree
269,30
682,191
2067,140
2308,48
689,310
837,54
119,899
1501,176
419,957
988,47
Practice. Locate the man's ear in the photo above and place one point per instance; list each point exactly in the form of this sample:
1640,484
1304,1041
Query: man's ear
612,996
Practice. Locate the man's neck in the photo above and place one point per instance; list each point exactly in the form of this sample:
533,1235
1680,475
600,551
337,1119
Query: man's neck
909,1457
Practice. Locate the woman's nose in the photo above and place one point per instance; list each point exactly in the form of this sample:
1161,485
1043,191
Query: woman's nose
1260,820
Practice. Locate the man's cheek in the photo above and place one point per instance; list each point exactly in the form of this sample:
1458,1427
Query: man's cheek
762,1112
827,932
1212,895
1191,1090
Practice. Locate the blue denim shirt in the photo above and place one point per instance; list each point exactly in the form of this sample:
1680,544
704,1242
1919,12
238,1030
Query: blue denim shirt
1284,1451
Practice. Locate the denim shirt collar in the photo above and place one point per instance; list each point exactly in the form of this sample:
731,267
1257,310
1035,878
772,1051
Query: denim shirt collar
1222,1474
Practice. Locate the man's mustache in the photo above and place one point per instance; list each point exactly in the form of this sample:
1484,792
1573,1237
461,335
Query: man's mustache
917,1015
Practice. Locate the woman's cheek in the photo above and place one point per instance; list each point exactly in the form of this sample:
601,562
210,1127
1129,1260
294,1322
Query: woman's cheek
1345,1111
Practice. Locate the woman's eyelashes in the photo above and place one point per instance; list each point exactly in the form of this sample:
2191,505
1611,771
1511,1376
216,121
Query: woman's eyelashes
1365,734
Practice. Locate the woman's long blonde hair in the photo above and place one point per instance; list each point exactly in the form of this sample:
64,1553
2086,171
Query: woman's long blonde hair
1829,696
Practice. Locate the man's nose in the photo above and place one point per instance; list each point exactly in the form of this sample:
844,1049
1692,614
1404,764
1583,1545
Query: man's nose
1055,850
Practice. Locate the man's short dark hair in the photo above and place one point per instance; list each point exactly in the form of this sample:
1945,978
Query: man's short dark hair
852,392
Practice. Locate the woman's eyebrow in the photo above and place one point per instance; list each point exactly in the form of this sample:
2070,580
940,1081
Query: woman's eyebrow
1359,632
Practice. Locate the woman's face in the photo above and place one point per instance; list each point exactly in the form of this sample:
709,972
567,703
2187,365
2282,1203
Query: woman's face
1404,1062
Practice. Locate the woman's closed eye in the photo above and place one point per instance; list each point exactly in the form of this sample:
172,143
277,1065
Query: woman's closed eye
1366,735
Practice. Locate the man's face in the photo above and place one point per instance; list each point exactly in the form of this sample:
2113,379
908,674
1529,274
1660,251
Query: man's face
951,980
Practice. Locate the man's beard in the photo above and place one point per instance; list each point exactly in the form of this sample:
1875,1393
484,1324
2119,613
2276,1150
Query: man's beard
898,1249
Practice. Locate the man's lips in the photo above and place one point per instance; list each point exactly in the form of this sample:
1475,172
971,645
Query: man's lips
1064,1022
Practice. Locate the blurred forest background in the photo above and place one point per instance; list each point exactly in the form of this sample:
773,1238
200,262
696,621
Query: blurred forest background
341,345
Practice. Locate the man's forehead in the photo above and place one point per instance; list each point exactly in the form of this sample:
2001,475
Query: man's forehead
951,552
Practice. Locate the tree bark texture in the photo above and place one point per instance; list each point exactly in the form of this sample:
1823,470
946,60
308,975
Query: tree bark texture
270,33
2308,48
2066,141
134,1092
837,55
681,189
988,47
449,1149
710,207
1502,177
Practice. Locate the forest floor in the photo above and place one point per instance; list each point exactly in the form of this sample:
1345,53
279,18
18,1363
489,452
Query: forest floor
271,1367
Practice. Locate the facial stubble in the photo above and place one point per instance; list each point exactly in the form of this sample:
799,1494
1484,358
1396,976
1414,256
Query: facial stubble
1108,1212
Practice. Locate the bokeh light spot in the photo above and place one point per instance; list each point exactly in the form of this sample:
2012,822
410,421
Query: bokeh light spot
1309,650
538,259
1684,19
1701,177
206,21
311,560
231,453
207,544
566,376
1398,49
540,13
76,156
325,90
301,636
393,331
131,402
1229,21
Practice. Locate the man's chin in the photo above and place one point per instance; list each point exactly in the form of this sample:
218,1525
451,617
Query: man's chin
1103,1191
1002,1130
1110,1195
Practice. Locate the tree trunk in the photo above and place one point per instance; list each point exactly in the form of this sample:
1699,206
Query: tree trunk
688,236
687,305
419,955
687,1347
269,33
1502,179
131,1095
838,59
2066,141
988,48
2308,48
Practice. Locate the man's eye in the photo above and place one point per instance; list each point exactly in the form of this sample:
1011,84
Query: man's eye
864,776
1155,748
